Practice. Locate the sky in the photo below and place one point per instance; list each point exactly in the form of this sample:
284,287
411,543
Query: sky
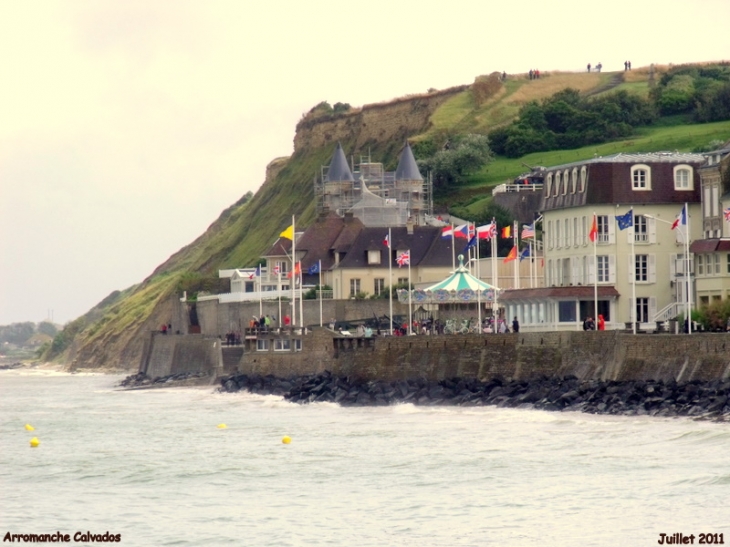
126,128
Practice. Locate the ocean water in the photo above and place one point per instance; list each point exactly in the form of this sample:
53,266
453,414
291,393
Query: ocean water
153,467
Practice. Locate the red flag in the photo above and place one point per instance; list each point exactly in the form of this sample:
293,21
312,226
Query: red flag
593,234
386,241
511,256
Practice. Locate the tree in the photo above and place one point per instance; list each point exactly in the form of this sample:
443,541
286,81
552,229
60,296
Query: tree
462,156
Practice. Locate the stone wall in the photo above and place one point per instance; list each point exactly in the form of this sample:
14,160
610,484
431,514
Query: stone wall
601,355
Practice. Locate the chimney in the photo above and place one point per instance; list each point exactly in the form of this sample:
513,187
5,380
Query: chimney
409,226
348,216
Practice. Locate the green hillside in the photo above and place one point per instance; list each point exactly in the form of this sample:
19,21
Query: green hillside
111,335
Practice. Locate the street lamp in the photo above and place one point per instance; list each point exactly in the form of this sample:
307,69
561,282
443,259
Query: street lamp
688,278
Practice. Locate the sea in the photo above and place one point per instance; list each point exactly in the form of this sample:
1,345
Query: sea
157,467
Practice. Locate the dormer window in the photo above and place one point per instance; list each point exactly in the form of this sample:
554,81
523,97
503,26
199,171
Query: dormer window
583,177
565,182
557,184
683,177
573,181
641,177
374,257
549,186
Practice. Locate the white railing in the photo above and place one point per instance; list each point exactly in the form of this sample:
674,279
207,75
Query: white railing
669,312
250,296
504,188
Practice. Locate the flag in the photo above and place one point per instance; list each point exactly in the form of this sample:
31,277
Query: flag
297,270
487,231
625,220
511,256
528,230
681,218
472,243
386,241
256,272
462,231
726,212
404,259
593,234
277,270
447,231
525,253
507,232
313,269
288,233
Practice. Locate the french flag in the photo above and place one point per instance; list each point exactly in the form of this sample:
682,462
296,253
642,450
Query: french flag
681,218
386,241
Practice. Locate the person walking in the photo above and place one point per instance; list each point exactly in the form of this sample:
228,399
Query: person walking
515,325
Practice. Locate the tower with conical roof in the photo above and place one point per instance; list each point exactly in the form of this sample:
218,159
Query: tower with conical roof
338,183
409,187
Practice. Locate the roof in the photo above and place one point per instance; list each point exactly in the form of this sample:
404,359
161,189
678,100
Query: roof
407,167
281,247
709,245
318,240
461,279
426,245
582,292
639,157
339,170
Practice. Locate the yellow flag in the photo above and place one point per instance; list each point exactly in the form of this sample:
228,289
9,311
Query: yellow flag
288,233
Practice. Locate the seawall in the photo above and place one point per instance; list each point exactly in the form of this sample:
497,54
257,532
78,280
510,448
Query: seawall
600,355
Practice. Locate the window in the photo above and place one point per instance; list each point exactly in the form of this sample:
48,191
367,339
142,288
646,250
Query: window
641,235
573,181
297,344
700,265
641,268
354,286
716,260
549,186
683,177
584,230
583,177
551,236
374,257
282,344
403,281
283,267
642,310
603,271
557,184
567,232
603,228
640,177
575,231
262,345
565,182
558,238
728,263
379,286
566,312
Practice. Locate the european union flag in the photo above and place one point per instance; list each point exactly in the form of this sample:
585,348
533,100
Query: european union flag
525,253
625,221
313,269
472,243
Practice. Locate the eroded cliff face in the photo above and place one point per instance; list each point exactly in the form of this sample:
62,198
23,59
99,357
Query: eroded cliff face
393,121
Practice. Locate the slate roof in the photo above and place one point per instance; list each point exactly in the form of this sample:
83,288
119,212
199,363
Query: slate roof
407,167
427,247
281,247
709,245
339,170
318,242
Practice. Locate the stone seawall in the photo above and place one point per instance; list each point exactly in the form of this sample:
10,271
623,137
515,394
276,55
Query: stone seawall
604,356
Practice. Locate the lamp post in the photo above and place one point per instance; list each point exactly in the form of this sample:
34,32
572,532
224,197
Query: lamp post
688,279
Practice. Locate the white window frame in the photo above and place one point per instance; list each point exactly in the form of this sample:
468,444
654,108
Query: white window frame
378,285
574,181
282,344
549,184
683,185
566,180
557,184
374,256
583,177
262,344
638,184
355,286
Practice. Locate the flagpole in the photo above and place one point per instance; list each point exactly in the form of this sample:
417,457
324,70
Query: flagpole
410,305
479,290
494,272
595,268
278,290
319,262
301,297
633,279
390,275
261,303
453,248
532,265
293,303
516,243
688,276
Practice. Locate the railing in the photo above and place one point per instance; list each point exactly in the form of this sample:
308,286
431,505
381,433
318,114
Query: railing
250,296
669,312
504,188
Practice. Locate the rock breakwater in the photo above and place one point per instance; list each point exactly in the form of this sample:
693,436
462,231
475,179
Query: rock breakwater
654,398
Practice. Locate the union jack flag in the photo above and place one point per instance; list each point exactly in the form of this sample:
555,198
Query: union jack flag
404,259
276,270
726,212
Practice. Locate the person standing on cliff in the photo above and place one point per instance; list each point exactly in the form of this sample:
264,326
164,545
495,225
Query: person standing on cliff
515,325
601,322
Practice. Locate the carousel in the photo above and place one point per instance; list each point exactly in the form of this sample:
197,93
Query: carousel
458,291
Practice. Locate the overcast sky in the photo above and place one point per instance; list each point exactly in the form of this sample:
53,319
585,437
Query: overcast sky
126,127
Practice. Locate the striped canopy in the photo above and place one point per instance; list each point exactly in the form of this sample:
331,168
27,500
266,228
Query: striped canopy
461,279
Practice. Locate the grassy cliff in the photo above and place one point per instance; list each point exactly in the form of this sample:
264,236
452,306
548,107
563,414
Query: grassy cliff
111,335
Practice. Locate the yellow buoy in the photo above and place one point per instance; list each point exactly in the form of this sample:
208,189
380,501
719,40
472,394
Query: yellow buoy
29,427
34,442
222,426
286,439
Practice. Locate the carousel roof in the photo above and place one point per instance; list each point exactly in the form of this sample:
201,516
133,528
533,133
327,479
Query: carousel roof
461,279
